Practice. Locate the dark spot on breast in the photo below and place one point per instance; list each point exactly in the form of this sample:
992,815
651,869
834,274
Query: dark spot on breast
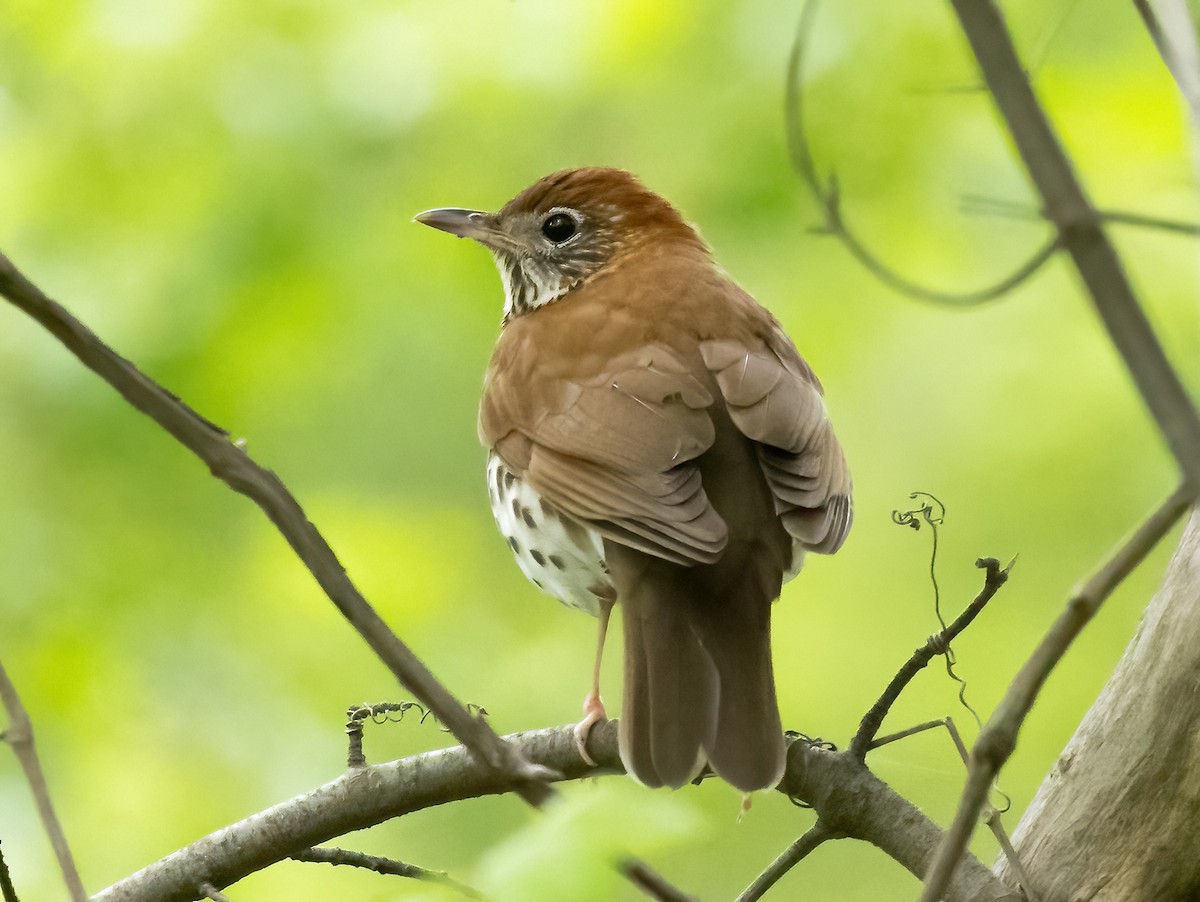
509,479
514,544
516,506
558,562
538,556
527,516
496,477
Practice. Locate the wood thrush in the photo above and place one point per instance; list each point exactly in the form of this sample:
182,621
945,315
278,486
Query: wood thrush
654,439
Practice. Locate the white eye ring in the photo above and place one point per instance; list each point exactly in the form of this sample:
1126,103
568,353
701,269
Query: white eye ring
560,225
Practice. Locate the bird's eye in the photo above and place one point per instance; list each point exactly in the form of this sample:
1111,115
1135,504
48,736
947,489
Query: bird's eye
558,227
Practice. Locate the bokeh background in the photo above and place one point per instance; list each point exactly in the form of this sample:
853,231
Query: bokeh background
224,191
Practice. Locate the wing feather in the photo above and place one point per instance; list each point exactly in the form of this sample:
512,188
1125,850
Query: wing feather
775,400
616,450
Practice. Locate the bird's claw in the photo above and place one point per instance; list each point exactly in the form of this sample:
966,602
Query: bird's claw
593,713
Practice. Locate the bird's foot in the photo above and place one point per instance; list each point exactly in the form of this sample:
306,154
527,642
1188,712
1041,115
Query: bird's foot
593,713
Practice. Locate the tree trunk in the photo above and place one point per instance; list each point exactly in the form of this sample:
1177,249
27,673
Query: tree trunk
1118,816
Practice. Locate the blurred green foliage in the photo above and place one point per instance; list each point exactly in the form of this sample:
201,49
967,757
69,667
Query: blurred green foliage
224,192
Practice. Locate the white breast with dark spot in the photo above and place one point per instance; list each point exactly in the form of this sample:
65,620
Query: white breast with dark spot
558,554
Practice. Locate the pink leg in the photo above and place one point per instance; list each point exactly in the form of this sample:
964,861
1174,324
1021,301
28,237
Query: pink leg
593,705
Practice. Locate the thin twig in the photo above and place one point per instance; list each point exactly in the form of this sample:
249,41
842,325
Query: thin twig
19,735
651,882
829,197
1081,231
993,818
995,824
8,892
904,734
386,866
1010,853
868,728
1144,221
230,463
996,206
788,859
211,892
999,736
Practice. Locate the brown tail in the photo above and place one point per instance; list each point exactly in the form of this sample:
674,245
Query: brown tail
698,681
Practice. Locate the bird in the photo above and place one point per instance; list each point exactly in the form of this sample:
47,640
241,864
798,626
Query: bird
656,441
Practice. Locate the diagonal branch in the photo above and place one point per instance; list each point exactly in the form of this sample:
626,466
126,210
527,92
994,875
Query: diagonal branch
19,735
1081,232
8,892
232,465
651,882
788,859
229,463
999,736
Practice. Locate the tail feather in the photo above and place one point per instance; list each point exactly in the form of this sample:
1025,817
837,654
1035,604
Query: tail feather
698,681
667,673
748,749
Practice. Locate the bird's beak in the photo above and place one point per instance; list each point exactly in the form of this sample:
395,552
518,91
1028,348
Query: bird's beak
463,223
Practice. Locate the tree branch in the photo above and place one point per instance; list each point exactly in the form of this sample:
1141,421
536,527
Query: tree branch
386,866
999,736
829,197
851,801
8,892
652,883
19,735
233,466
1081,233
360,798
788,859
229,463
868,728
846,796
982,204
1115,817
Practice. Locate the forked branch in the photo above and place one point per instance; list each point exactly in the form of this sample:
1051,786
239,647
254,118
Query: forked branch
1081,232
868,729
999,735
846,796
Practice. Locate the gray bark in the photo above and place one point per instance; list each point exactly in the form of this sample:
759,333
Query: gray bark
1118,816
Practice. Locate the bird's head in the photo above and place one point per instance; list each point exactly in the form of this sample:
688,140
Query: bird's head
563,229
